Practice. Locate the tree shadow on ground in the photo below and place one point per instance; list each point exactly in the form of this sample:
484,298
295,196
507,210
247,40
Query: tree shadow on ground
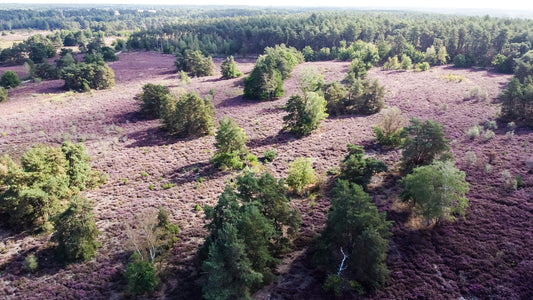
193,172
152,137
281,138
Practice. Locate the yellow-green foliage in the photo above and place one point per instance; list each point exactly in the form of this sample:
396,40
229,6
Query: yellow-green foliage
33,192
301,174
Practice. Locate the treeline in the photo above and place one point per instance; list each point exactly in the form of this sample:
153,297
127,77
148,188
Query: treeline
114,19
477,39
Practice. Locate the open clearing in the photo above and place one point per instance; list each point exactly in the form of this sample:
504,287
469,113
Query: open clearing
486,255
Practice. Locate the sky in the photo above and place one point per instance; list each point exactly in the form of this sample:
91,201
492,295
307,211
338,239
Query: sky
490,4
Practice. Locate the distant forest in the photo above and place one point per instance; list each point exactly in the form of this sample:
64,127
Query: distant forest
247,31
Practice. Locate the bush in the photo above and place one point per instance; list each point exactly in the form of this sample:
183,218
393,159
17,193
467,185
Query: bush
83,77
3,94
195,63
473,132
335,95
47,71
140,276
304,113
108,54
65,61
359,169
9,80
488,135
30,263
392,63
230,146
476,93
229,69
301,174
437,191
151,99
421,67
365,97
406,63
461,61
492,125
191,116
270,155
389,131
356,70
76,231
423,142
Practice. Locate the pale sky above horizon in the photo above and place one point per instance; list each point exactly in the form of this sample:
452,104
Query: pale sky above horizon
508,5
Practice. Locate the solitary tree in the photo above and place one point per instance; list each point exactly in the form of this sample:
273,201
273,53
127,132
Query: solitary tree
229,69
230,145
305,113
9,80
423,142
359,169
190,116
437,191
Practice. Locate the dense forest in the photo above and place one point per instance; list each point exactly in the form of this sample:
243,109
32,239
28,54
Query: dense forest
238,153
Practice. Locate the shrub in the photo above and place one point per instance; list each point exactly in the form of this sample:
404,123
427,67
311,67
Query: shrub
3,94
192,116
355,240
389,130
140,276
437,191
9,80
304,113
108,54
335,95
462,61
423,142
488,135
76,231
94,58
492,125
473,132
229,69
471,158
392,63
230,146
83,77
184,78
195,63
30,263
365,97
421,67
270,155
65,61
406,63
47,71
359,169
151,99
509,182
301,174
356,70
476,93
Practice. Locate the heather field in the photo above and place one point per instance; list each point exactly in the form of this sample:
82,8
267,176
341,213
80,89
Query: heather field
486,256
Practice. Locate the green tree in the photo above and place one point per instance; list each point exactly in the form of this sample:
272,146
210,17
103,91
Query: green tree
301,174
195,63
229,271
76,232
406,63
516,101
229,68
442,55
423,142
437,191
335,95
9,80
151,98
524,66
365,97
83,77
141,276
305,113
359,169
356,230
265,82
192,116
230,145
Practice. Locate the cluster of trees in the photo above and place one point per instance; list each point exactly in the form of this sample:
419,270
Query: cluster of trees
517,103
186,115
419,36
265,82
194,63
250,226
33,196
